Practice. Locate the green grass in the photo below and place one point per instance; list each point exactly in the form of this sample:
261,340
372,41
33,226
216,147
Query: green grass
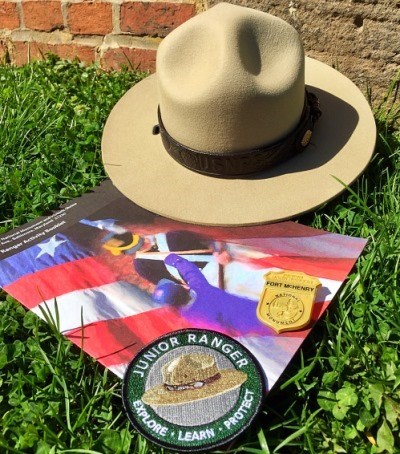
340,394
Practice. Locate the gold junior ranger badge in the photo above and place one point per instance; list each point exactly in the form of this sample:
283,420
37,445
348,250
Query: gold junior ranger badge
287,300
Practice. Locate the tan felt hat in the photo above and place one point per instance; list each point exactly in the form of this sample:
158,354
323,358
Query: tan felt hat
192,377
228,131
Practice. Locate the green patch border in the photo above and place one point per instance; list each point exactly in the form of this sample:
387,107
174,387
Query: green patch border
133,389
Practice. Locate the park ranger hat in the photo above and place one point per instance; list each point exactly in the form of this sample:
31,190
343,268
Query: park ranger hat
237,126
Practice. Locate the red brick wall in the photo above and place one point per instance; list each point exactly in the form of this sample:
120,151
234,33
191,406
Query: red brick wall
110,32
360,37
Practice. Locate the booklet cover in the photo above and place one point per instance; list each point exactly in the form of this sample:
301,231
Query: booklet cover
113,277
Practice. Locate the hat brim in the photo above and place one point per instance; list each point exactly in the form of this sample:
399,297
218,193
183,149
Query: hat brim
341,147
230,379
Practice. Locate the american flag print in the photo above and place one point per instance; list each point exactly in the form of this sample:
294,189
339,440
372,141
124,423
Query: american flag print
99,301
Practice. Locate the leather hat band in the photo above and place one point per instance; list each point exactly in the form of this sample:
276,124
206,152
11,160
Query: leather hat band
248,161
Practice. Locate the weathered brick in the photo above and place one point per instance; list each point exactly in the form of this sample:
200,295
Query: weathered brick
382,39
42,15
367,74
8,16
360,37
141,59
89,18
153,18
352,11
23,52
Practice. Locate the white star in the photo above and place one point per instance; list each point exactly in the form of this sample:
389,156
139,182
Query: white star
49,247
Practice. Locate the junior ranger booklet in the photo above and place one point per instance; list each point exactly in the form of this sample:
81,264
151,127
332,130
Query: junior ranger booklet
113,277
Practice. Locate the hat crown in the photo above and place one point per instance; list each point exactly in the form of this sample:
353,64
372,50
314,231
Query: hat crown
189,368
231,79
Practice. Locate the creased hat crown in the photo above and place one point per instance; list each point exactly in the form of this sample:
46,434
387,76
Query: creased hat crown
231,79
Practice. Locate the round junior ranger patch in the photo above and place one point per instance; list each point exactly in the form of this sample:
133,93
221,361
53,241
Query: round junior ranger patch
193,390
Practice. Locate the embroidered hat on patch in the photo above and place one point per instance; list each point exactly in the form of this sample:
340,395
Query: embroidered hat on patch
193,390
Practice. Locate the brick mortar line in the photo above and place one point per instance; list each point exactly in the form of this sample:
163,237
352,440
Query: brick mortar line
64,13
111,41
56,37
20,14
116,18
86,40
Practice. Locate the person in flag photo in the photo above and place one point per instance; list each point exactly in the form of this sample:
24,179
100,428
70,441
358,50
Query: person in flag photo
148,252
200,303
